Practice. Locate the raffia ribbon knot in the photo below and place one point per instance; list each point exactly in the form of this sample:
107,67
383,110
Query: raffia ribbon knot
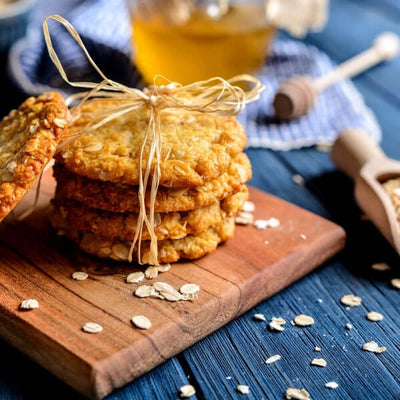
215,96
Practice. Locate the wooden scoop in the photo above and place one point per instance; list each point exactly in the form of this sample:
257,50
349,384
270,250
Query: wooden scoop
297,95
362,160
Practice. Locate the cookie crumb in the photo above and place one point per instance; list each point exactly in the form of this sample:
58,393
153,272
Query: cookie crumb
320,362
243,389
303,320
298,394
374,316
351,300
187,391
141,322
79,276
373,347
135,277
331,385
272,359
381,266
29,304
92,327
259,317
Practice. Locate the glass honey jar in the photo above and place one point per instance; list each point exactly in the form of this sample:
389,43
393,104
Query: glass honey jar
189,40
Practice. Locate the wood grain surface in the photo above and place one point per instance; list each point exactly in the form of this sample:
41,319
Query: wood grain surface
35,263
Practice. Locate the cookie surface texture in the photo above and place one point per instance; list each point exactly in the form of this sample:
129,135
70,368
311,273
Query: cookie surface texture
195,148
171,225
124,198
169,250
29,137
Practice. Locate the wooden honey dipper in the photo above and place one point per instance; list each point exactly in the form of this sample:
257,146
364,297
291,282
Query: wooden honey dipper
298,94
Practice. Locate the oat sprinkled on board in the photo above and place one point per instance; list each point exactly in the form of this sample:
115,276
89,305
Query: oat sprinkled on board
395,283
380,266
259,317
92,327
272,359
187,391
29,304
248,206
374,316
141,322
319,362
373,347
243,389
276,324
331,385
298,394
151,272
79,276
135,277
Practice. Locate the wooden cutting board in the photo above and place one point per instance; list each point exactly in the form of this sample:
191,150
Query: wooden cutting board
35,263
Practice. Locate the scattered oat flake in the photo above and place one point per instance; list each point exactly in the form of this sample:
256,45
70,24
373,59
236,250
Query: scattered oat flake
259,317
141,322
298,179
274,222
144,291
248,206
349,326
331,385
261,224
92,327
381,266
266,242
374,316
320,300
189,288
351,300
320,362
80,276
29,304
135,277
164,268
316,348
243,389
228,378
187,391
303,320
272,359
163,287
303,236
276,324
151,272
373,347
298,394
172,296
244,218
395,283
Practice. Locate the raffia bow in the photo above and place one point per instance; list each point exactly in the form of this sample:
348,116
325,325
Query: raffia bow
214,96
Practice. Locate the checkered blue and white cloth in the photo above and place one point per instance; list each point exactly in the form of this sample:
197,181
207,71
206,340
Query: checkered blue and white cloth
105,29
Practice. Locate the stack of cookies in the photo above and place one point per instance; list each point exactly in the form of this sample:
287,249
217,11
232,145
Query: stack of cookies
202,185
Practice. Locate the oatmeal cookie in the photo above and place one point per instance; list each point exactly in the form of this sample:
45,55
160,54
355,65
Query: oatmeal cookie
28,140
195,147
169,250
124,198
171,225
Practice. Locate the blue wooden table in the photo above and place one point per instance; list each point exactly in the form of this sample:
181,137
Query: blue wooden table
236,353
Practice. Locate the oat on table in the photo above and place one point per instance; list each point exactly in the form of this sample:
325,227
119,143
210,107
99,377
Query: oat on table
29,137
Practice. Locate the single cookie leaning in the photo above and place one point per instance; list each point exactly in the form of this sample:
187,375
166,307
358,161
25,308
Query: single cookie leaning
169,250
171,225
194,148
28,140
124,198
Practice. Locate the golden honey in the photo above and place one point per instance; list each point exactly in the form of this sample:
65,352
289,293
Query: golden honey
202,47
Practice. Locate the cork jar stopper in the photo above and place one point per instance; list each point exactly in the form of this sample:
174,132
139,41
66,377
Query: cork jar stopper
294,98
